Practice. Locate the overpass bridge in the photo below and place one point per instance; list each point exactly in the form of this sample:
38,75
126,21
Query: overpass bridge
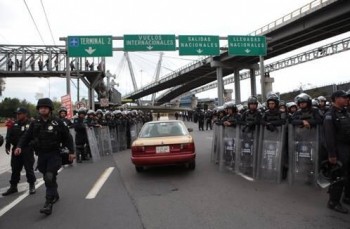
314,22
52,61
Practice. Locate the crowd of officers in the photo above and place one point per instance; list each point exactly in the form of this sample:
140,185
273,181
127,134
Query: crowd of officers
48,136
304,112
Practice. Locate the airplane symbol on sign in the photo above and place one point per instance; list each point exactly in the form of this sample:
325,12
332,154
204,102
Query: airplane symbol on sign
74,42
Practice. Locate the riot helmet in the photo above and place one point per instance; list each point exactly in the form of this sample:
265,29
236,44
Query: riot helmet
45,102
303,98
82,110
273,98
91,112
62,109
321,98
252,100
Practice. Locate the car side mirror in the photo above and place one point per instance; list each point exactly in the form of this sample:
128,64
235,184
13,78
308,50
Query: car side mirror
190,129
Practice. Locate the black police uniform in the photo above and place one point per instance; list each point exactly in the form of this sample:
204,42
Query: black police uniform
250,119
81,139
48,136
25,159
337,138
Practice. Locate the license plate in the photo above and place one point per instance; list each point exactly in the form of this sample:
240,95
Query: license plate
162,149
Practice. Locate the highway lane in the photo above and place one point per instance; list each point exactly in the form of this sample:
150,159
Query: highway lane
171,197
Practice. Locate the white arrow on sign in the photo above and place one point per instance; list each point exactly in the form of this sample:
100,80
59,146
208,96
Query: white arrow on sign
247,50
199,51
90,50
149,47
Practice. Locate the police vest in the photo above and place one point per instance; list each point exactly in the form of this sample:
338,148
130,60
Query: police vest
251,117
272,116
342,123
47,135
16,131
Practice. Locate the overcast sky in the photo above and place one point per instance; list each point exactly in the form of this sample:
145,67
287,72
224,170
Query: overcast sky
182,17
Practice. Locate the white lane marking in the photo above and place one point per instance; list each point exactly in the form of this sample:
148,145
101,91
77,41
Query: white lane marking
246,177
99,183
22,197
19,199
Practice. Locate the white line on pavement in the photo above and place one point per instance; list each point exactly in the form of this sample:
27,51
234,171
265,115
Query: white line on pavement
99,183
18,200
21,197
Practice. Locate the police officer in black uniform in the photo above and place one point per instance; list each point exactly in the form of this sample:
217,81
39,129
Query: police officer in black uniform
233,117
251,117
62,113
81,138
26,159
48,134
337,138
273,117
307,116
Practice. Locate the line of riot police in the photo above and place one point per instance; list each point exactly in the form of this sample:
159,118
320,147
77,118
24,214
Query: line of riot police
286,141
98,133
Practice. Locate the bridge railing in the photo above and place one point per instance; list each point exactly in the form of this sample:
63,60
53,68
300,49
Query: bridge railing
23,58
296,14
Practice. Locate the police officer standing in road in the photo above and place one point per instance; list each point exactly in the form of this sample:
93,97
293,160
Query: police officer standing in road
25,159
337,135
48,134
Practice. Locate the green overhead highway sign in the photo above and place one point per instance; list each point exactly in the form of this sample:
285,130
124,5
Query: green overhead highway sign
144,42
199,45
89,46
247,45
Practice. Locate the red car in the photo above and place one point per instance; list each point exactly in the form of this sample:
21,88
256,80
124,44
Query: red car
163,143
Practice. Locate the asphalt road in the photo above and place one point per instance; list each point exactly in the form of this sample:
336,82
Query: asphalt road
168,197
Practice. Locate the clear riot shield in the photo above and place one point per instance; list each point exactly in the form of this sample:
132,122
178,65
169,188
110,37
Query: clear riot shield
228,158
105,140
122,136
98,139
93,144
114,139
133,132
303,155
271,145
72,133
216,143
247,152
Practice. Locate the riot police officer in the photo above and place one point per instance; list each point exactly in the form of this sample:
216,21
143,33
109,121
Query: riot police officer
252,116
337,135
272,117
81,138
233,117
48,134
307,116
62,113
26,159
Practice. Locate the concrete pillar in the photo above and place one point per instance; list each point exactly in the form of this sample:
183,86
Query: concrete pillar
237,86
194,102
252,82
228,94
268,84
177,103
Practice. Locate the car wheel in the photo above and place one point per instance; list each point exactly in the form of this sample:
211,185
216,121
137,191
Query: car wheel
192,165
139,169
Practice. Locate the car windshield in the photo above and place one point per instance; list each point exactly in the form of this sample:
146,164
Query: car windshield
162,129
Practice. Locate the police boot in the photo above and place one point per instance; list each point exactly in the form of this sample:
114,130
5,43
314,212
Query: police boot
47,208
346,200
32,188
336,206
79,158
55,198
12,189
